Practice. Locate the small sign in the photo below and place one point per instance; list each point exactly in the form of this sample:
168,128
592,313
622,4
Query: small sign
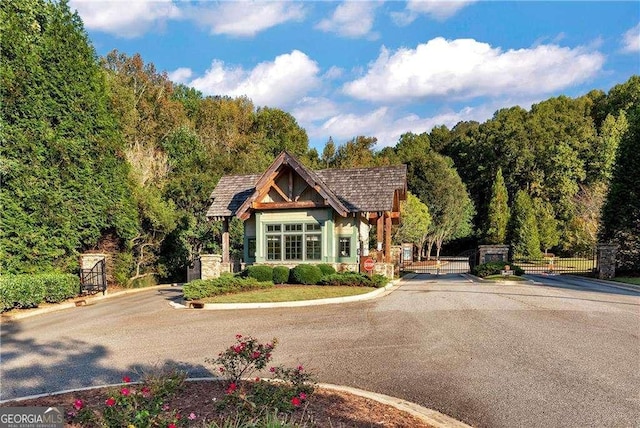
369,264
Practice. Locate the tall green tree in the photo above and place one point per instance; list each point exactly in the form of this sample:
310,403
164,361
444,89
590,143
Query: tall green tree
524,227
548,233
65,185
498,215
414,222
621,211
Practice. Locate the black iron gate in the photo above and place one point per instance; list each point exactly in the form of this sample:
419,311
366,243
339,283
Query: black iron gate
462,263
94,280
580,264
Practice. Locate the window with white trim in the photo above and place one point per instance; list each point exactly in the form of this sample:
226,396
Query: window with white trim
294,241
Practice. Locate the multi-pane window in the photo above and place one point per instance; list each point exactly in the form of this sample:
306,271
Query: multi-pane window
293,247
313,248
344,246
274,250
300,241
251,244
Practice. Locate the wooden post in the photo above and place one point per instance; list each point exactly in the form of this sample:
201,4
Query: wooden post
379,235
225,240
387,238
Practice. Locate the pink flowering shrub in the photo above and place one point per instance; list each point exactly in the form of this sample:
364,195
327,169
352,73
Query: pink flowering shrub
142,404
287,390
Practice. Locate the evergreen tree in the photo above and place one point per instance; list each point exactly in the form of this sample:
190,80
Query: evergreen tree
547,224
64,180
524,227
498,215
621,212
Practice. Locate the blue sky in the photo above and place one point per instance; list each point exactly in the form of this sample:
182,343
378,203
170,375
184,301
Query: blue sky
377,68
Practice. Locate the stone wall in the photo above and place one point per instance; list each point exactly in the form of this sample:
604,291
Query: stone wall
211,266
607,261
88,261
493,253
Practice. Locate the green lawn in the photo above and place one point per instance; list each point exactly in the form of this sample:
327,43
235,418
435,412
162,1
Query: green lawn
635,280
501,277
288,294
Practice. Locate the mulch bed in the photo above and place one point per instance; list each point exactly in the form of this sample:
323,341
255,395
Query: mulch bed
325,408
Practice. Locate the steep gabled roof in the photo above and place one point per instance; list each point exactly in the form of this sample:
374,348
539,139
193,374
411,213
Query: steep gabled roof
346,190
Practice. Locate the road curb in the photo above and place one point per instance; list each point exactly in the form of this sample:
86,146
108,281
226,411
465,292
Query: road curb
87,301
430,416
383,291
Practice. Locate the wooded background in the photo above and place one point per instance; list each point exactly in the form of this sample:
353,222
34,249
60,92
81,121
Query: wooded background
108,154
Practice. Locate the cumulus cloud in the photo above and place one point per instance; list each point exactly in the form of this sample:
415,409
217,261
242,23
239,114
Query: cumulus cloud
436,9
631,40
244,18
312,109
351,19
128,20
465,69
276,83
180,75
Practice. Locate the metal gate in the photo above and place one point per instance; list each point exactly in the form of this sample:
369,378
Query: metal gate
579,264
462,263
94,280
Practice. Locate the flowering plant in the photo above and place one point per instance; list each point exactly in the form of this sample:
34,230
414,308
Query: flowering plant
141,404
286,390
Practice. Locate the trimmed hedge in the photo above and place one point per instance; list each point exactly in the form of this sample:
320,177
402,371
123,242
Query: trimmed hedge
226,284
260,272
494,268
280,274
354,279
326,269
306,274
28,291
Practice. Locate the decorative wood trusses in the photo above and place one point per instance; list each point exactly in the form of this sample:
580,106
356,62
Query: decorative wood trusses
268,181
287,184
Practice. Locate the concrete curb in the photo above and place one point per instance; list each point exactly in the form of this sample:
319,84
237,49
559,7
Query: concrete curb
87,301
430,416
390,287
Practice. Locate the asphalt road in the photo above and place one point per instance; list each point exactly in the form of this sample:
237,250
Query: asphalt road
489,355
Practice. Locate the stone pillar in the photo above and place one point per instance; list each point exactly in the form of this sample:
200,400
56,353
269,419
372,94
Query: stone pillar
607,261
210,266
493,253
88,261
363,232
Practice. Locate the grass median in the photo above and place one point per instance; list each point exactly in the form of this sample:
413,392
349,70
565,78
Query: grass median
633,280
288,293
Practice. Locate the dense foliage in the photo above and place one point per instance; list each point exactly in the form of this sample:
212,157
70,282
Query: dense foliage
201,288
260,272
494,268
354,279
28,291
122,160
305,274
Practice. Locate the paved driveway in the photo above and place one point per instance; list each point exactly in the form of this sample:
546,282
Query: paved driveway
489,355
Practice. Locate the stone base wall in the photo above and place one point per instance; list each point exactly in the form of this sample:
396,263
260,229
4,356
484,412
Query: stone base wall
88,261
607,261
492,253
386,269
211,266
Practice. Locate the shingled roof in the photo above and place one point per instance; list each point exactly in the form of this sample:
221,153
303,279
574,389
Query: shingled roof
358,189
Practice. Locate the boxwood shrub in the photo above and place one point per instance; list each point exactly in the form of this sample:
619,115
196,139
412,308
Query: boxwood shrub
21,291
60,286
326,269
260,272
354,279
280,274
494,268
226,284
306,274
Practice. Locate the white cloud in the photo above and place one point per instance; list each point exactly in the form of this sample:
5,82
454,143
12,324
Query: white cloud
437,9
180,75
312,109
245,18
130,19
351,19
465,68
631,40
277,84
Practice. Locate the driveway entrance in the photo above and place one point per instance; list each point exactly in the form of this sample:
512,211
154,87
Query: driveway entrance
489,355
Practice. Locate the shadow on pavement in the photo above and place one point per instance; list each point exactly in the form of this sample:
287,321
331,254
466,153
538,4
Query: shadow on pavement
579,284
70,364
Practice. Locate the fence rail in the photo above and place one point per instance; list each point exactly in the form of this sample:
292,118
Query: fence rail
557,265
